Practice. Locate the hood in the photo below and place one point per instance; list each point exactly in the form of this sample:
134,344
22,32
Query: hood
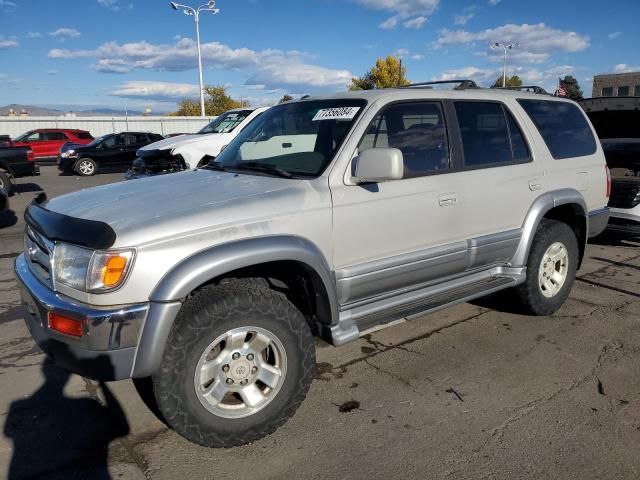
154,208
182,140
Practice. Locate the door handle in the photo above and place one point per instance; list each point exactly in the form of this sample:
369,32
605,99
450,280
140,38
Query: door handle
447,199
535,185
287,145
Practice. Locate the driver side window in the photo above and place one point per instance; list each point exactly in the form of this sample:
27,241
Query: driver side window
110,142
418,130
34,137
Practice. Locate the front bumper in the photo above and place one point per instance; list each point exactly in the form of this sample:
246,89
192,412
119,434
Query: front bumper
107,349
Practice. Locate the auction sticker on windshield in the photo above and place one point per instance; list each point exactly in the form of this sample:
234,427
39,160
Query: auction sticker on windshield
340,113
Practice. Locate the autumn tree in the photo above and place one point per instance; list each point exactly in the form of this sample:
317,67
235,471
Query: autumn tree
387,72
514,81
216,102
572,88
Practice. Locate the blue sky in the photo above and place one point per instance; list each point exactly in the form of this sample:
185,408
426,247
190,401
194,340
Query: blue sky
141,53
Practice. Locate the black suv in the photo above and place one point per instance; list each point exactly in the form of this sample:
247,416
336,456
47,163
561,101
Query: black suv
115,149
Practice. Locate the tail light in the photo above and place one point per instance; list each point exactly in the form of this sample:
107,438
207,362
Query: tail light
608,181
30,156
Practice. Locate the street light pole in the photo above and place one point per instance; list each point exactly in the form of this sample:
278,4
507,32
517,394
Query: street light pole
504,65
195,13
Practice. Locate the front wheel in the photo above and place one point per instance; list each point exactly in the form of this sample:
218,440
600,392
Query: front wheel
238,363
551,269
86,167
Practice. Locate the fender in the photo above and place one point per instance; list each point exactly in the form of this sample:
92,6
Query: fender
184,278
541,206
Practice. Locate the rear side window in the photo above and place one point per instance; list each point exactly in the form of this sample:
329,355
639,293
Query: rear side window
55,136
490,135
418,130
84,135
563,127
141,138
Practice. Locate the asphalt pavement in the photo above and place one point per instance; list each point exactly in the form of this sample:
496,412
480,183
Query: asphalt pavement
471,392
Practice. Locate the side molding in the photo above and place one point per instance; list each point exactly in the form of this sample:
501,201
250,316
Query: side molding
543,204
201,267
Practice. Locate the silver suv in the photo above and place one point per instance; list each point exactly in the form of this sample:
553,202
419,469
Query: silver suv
325,217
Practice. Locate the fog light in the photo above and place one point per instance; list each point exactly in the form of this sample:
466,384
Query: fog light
65,325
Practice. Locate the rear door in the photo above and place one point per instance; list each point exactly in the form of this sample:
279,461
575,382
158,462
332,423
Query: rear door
52,143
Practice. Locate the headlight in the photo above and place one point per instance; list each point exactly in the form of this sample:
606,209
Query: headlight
88,270
68,153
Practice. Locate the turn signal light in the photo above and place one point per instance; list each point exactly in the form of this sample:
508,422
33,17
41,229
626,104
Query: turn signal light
65,325
113,271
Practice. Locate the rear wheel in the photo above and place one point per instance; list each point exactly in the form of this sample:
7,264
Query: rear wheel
551,269
86,167
5,182
238,363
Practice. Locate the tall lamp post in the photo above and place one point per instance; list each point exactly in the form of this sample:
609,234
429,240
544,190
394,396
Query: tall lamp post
195,13
506,48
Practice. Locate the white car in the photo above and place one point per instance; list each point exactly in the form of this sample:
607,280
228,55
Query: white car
186,152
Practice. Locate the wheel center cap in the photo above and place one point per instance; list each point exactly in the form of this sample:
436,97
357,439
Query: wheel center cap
240,369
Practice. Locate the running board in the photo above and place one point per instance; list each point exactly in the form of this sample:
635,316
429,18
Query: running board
357,321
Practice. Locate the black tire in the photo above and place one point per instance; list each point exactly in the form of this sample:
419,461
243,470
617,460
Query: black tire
90,170
212,312
529,295
5,183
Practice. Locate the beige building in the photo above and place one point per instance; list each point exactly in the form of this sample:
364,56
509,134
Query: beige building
617,85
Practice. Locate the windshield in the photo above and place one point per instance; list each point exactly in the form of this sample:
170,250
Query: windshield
98,140
292,139
226,122
23,137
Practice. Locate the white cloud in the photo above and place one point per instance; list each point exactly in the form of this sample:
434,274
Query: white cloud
156,90
7,43
64,33
412,13
7,6
34,35
52,72
467,14
417,56
614,35
272,68
493,3
3,75
624,68
114,5
401,52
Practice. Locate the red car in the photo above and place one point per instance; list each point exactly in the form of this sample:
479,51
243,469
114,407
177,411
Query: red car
46,142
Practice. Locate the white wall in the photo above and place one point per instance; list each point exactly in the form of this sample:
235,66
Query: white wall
14,126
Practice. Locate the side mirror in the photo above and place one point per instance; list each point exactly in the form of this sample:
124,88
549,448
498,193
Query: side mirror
377,165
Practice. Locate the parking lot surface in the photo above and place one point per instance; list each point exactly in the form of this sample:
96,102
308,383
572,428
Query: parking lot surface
471,392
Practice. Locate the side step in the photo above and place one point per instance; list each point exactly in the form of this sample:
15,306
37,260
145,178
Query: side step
377,314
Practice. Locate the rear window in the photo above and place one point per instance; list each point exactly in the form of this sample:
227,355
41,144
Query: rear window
84,135
563,127
490,135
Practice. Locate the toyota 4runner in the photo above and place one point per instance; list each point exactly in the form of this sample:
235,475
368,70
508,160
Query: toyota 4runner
325,217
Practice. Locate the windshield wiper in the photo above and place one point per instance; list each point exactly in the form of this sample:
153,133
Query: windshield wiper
215,166
263,167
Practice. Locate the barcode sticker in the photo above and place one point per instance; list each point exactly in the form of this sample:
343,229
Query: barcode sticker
339,113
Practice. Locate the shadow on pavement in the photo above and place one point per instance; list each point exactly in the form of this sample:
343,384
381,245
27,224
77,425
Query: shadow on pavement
8,219
57,437
26,188
616,239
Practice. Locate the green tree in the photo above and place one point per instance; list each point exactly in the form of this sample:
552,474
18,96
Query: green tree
216,102
286,98
387,72
572,87
514,81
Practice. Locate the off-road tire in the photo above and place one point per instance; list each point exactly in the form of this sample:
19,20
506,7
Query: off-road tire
79,171
5,182
528,295
211,312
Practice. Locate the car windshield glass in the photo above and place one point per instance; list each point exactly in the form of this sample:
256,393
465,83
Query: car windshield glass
294,139
226,122
98,140
22,137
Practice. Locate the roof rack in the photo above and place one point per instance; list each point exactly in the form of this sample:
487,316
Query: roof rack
531,88
463,84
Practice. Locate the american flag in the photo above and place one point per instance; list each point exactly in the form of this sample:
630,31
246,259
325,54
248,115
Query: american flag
561,91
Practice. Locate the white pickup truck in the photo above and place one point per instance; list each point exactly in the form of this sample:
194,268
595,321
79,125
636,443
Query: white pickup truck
186,152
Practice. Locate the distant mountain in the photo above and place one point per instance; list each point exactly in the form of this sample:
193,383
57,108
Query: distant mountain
34,111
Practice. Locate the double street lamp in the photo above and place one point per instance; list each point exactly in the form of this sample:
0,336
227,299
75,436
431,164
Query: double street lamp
195,13
506,49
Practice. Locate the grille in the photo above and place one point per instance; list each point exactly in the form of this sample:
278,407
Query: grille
625,194
38,251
